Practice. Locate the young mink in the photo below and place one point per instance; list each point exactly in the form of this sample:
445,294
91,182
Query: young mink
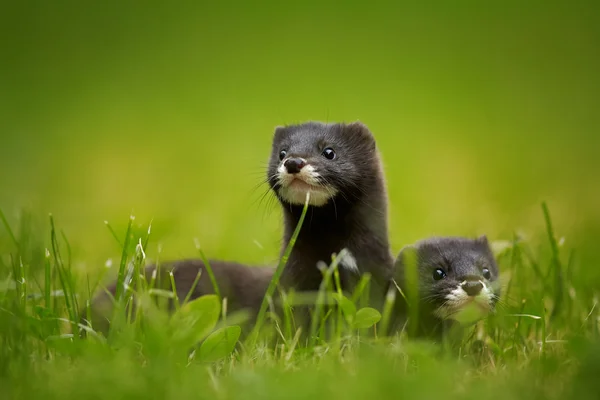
457,280
339,165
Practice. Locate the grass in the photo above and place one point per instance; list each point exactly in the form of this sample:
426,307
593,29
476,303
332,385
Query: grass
542,342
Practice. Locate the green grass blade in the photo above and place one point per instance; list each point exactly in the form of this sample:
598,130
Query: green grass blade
388,308
48,280
209,270
8,229
114,234
412,289
58,263
69,274
339,319
316,321
123,262
174,289
278,271
556,264
22,282
194,284
149,232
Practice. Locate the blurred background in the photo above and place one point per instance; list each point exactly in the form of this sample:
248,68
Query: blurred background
481,111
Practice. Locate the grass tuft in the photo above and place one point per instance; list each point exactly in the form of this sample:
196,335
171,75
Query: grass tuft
542,342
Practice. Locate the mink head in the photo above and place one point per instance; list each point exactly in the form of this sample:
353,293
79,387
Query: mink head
327,160
456,276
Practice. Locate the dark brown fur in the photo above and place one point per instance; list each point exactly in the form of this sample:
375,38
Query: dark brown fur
461,259
243,286
355,218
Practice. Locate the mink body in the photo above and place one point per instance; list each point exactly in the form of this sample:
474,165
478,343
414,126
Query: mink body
339,165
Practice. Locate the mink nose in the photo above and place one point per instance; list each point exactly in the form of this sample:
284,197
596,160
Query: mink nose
294,165
472,287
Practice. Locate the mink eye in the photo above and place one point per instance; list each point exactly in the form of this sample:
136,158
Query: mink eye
438,274
282,155
486,273
328,153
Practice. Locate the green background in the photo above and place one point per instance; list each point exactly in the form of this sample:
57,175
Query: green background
481,110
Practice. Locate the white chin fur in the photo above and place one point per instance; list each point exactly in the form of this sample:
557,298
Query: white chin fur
296,194
461,307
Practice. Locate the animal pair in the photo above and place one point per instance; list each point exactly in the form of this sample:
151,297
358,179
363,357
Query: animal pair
338,165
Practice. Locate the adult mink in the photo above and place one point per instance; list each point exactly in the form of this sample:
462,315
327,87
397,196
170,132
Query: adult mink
339,165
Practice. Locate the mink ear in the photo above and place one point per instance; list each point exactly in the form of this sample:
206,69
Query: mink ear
358,124
360,129
279,132
483,240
